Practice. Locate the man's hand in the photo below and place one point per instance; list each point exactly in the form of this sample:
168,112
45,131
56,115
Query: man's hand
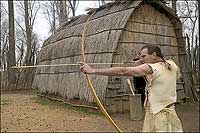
85,68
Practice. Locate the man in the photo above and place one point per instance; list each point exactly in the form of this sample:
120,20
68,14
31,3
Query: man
161,76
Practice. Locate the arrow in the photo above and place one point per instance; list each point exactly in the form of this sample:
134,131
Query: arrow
76,64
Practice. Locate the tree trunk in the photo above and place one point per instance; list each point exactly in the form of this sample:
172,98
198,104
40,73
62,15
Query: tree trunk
54,18
174,5
26,75
0,48
73,6
61,11
64,10
199,32
11,60
28,34
0,57
198,49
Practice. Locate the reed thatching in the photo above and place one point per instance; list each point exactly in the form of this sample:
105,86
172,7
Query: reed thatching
115,33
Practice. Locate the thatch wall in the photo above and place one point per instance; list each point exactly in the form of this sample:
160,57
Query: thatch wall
115,33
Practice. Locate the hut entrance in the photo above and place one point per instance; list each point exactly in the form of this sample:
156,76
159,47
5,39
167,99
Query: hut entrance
139,85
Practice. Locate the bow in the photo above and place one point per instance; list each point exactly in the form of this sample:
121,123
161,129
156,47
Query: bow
90,83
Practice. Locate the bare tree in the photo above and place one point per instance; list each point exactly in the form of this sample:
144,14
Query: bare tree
101,2
4,37
28,11
20,45
187,12
4,43
198,54
174,4
28,33
50,14
11,60
35,48
56,12
0,55
73,4
0,45
61,11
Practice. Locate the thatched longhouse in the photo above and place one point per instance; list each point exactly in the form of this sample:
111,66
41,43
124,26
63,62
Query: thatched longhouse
115,33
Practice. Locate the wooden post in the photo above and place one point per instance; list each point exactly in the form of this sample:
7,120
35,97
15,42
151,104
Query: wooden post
136,107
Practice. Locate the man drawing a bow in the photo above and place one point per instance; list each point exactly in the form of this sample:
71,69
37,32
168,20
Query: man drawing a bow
161,95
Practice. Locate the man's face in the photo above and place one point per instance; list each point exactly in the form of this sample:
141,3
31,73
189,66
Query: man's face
145,57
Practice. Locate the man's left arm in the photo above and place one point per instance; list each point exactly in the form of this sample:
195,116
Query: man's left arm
137,71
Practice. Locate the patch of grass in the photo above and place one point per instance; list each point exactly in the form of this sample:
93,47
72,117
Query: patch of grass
34,92
45,101
42,101
5,102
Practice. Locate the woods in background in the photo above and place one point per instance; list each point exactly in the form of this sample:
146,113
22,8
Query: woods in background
188,13
20,45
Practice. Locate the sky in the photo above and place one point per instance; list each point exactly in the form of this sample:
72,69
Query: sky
42,27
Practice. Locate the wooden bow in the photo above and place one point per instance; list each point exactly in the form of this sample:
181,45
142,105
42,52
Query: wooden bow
90,83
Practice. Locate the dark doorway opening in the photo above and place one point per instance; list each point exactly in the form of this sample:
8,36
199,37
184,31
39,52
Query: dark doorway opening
139,84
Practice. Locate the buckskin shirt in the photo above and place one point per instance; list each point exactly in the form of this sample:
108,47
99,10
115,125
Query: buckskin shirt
160,109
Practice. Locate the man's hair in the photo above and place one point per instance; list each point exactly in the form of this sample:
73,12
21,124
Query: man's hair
155,48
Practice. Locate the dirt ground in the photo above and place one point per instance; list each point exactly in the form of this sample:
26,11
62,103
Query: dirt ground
19,112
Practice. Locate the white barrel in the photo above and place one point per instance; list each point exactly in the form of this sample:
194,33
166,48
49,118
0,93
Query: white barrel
136,107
